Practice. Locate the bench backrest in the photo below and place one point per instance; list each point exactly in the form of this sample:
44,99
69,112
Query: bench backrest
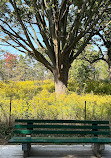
73,127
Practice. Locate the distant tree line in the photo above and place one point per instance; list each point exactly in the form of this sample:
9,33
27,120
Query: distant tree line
22,68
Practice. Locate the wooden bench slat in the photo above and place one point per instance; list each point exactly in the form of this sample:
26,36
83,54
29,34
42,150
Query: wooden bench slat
61,126
62,121
59,140
61,132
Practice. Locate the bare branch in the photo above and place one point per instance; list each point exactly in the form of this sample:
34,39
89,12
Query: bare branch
80,49
38,42
45,38
14,46
13,37
95,60
38,56
23,26
16,34
98,47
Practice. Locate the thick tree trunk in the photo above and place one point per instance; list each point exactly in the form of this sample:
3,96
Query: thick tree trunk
109,57
60,87
109,61
110,71
61,79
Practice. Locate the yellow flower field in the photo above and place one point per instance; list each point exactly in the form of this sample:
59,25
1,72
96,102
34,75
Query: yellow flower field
34,99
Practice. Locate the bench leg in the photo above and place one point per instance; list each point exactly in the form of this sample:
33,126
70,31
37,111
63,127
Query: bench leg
26,148
97,148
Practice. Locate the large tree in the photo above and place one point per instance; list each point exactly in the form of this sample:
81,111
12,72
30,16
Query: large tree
60,29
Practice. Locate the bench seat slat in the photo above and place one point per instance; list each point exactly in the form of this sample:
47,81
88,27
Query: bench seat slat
59,140
61,126
62,121
61,132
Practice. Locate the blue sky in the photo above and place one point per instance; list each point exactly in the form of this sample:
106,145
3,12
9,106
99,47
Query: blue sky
14,51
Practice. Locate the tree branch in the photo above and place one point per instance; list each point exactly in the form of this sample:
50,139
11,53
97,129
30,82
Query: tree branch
80,49
23,26
39,43
38,56
9,44
16,34
13,37
95,60
97,46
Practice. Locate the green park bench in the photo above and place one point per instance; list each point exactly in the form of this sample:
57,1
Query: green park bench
61,131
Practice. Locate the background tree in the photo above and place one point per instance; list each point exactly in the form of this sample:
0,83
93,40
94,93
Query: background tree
31,69
96,61
59,29
21,69
2,72
102,40
9,62
106,38
82,72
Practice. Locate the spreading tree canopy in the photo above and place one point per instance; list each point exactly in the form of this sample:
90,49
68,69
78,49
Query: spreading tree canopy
54,32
